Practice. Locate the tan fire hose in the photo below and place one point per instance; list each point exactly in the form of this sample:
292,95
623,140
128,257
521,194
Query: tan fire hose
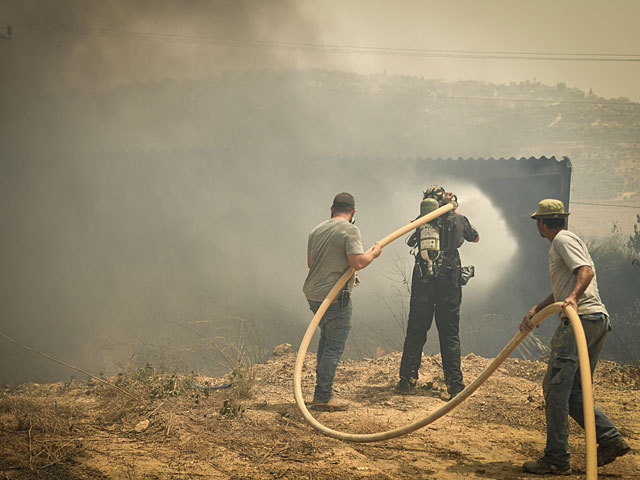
583,360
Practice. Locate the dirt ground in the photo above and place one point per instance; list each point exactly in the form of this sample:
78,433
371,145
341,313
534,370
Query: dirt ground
177,427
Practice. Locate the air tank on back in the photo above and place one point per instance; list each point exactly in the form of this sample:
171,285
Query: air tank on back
429,234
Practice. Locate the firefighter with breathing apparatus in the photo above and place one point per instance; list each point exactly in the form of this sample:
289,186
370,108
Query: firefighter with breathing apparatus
436,288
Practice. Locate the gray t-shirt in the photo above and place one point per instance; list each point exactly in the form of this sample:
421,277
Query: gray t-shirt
329,244
566,253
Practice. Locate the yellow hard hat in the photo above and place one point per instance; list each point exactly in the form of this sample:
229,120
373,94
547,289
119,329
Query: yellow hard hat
550,208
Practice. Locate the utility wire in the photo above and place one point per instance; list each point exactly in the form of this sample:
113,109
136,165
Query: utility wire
605,205
354,49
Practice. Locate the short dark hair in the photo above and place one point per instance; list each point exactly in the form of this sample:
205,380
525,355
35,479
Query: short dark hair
343,202
555,223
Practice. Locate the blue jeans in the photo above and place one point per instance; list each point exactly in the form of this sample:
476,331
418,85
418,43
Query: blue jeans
563,390
334,329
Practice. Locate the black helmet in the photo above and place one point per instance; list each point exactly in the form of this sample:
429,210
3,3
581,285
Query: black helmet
435,191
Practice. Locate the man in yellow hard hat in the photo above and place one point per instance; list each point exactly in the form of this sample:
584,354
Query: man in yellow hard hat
573,281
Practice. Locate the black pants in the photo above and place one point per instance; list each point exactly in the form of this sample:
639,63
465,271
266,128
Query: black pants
442,297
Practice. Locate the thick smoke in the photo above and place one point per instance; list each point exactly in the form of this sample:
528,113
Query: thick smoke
70,45
156,193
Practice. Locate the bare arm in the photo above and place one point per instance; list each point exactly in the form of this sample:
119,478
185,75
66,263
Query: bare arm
308,260
584,275
359,261
526,321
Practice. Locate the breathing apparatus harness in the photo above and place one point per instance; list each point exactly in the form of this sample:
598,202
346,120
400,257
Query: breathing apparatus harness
430,241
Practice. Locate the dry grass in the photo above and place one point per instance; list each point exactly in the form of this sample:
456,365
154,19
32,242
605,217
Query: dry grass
87,430
44,426
43,432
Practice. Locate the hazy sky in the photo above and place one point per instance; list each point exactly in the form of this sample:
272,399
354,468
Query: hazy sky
92,45
579,27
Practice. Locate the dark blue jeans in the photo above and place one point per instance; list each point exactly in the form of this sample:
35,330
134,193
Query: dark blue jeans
563,390
334,330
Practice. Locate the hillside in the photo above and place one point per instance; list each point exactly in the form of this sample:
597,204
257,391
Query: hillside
253,429
265,116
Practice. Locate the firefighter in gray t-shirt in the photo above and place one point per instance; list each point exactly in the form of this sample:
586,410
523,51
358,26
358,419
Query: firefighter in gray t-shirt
334,246
573,281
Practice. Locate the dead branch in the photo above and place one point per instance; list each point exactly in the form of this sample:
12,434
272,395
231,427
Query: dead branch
73,368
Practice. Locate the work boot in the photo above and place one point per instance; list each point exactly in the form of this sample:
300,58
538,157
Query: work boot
330,406
452,396
406,386
608,452
543,467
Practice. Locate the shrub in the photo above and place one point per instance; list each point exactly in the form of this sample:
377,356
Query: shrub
617,261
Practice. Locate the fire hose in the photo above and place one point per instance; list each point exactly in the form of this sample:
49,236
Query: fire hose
583,361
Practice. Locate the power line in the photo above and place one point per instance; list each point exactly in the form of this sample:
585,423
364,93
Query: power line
606,205
359,49
387,51
564,56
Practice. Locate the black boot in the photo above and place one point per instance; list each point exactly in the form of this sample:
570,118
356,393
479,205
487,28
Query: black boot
406,386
